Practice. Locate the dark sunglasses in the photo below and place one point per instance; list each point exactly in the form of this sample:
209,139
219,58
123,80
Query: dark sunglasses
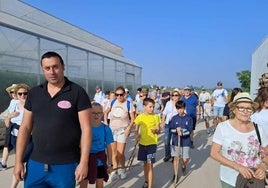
119,94
175,95
11,92
22,93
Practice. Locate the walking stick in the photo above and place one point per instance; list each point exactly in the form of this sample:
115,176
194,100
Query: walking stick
132,156
177,167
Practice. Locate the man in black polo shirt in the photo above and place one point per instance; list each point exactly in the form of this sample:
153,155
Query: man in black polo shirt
57,114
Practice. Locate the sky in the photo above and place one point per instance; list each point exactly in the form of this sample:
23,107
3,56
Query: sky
176,42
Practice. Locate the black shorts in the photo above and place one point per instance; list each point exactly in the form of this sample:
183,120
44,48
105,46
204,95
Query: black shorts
100,172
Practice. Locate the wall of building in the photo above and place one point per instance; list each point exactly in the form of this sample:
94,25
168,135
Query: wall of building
259,66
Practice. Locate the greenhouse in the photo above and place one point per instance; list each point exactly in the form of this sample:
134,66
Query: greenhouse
26,33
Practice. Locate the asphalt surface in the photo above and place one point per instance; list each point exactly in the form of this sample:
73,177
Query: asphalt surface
202,171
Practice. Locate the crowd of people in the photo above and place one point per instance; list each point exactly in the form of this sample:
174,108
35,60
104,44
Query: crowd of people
64,138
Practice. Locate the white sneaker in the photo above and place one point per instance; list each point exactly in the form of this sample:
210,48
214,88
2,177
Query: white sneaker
113,176
123,174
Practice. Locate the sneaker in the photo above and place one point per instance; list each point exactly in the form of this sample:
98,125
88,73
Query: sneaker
145,184
183,170
208,131
173,179
166,159
2,167
192,145
123,175
113,176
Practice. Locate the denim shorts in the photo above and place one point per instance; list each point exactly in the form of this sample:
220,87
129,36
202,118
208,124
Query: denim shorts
218,111
119,135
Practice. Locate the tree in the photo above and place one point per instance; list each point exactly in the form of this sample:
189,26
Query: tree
244,79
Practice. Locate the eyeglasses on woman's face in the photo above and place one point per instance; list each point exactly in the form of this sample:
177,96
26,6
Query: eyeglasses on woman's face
244,109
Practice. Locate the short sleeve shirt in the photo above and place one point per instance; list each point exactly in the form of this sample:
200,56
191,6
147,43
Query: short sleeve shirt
240,147
56,129
147,123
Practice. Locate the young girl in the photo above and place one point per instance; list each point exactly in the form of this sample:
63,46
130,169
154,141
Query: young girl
180,125
146,132
207,114
101,139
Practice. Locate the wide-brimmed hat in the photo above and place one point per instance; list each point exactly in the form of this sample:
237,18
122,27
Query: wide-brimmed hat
8,89
243,97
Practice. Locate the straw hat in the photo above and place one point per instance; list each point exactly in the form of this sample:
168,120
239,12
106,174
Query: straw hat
243,97
8,89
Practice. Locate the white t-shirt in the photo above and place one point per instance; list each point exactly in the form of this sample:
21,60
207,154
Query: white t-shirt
169,111
240,147
99,97
219,96
261,118
207,109
203,96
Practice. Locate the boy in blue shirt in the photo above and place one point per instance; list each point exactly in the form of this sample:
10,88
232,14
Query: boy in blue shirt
180,125
101,139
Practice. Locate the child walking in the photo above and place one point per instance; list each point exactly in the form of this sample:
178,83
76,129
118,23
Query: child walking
102,138
180,125
207,114
146,132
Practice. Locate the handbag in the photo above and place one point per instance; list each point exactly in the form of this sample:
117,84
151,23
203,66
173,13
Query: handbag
242,182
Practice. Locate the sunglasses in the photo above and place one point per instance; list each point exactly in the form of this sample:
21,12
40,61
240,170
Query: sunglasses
119,94
11,92
22,93
175,95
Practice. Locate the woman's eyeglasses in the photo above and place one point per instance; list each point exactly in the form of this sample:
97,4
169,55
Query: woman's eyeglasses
11,92
175,95
243,109
119,94
22,93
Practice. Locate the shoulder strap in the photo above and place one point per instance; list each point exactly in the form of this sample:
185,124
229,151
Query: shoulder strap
128,105
257,132
112,103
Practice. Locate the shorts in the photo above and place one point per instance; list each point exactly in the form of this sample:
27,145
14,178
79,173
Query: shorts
218,111
206,118
184,151
44,175
100,172
119,135
147,153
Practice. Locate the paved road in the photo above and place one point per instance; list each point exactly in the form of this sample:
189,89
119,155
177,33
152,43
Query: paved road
202,171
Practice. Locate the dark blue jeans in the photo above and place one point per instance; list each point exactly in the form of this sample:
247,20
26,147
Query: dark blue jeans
167,141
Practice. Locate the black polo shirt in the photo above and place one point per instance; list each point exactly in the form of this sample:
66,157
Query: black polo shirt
56,128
